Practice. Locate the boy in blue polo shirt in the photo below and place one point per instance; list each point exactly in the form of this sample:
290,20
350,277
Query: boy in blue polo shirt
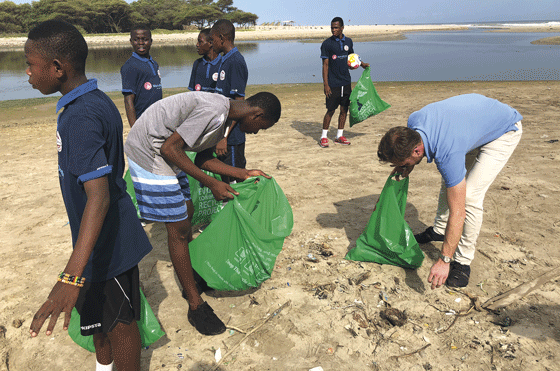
101,277
204,74
232,81
141,80
336,79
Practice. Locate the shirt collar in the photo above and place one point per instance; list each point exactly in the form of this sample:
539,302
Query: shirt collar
76,93
229,54
144,59
214,62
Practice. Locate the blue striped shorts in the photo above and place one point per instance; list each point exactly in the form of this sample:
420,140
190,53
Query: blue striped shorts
160,198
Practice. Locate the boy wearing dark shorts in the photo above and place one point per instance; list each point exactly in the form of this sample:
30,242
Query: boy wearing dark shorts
336,79
232,81
141,80
156,147
101,276
204,74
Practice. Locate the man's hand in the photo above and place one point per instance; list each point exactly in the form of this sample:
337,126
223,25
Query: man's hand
365,65
438,274
62,298
255,172
222,191
404,171
221,147
328,91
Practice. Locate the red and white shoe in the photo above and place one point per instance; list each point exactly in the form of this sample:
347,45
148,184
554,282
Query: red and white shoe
342,140
324,142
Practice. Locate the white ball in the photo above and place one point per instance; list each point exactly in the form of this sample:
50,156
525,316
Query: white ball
354,61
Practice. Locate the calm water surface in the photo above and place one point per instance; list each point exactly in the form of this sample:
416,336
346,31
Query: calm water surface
427,56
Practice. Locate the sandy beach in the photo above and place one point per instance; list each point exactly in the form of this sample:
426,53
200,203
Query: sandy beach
329,321
358,33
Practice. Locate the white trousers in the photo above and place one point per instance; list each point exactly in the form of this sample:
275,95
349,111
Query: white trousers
483,165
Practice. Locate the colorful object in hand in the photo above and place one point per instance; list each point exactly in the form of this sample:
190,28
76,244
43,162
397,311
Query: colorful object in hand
354,61
71,280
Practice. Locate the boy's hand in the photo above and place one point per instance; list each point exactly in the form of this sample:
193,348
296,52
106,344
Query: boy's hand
222,191
255,172
364,65
327,90
221,147
62,298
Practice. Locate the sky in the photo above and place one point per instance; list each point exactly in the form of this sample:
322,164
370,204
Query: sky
360,12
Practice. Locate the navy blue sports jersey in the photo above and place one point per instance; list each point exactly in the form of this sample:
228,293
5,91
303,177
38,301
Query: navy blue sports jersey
140,76
204,74
89,139
232,82
336,51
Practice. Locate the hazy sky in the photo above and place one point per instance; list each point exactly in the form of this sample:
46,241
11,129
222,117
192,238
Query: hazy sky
320,12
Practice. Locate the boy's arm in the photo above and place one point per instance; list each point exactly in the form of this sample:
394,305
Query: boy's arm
63,296
221,147
129,108
326,86
172,151
206,161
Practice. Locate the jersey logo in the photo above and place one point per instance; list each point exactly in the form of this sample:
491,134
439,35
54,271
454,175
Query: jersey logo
148,85
58,142
334,57
346,47
222,75
215,76
197,87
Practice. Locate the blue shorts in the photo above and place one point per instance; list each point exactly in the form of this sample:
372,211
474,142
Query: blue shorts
160,198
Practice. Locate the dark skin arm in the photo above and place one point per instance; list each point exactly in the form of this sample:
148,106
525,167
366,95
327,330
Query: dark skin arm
129,108
172,151
326,86
221,147
63,296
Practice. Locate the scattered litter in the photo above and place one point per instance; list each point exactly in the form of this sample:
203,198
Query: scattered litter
232,305
551,141
218,355
458,300
394,316
287,283
311,258
318,368
450,312
231,332
426,339
330,351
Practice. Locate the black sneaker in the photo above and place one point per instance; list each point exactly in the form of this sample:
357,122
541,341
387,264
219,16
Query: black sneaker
205,321
428,236
458,275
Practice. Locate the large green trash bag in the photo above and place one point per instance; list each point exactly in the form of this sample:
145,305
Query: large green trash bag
205,206
387,238
150,330
238,249
131,192
364,100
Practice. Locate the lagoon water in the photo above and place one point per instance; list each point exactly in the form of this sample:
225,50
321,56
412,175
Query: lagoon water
425,56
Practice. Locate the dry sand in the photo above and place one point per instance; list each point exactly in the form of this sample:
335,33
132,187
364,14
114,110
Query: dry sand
358,33
329,322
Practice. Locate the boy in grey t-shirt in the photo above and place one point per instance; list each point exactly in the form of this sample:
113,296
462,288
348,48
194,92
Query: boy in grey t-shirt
158,164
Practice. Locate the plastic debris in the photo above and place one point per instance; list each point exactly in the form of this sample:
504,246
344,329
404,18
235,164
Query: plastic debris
218,355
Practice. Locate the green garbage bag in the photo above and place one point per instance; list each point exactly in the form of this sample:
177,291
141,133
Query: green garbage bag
387,238
205,206
364,100
238,249
150,330
131,192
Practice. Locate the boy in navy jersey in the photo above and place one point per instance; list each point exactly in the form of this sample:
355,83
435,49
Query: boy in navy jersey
336,79
232,81
141,80
101,277
204,73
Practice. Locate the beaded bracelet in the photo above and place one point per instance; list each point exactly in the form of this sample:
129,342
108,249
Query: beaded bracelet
71,280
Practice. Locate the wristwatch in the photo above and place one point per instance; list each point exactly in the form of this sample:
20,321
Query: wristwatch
446,259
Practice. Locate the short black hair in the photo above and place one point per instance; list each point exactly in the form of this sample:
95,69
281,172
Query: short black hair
269,103
60,40
226,28
398,144
339,20
206,33
140,27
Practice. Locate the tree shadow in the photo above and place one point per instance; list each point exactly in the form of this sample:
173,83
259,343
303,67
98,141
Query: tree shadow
313,129
354,214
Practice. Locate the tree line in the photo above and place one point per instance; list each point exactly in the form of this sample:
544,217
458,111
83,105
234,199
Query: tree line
113,16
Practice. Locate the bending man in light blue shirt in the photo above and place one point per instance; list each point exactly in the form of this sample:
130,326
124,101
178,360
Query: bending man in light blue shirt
470,137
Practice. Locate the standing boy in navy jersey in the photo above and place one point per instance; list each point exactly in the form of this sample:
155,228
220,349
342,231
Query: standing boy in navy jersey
232,81
336,79
141,80
101,277
204,73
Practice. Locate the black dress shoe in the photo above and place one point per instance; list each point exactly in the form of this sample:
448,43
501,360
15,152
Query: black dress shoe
428,236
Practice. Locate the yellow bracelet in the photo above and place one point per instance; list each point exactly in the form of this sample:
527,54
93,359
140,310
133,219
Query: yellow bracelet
71,280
